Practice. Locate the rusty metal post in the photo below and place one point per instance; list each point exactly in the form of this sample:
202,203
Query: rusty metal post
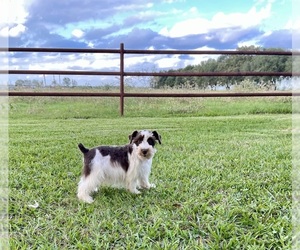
122,79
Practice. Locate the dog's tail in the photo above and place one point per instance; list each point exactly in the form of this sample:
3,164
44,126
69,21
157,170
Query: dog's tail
82,148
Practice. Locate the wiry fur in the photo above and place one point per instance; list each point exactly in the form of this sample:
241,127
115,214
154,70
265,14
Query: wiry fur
126,166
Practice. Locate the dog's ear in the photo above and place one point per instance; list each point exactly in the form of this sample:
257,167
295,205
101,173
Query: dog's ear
132,136
157,136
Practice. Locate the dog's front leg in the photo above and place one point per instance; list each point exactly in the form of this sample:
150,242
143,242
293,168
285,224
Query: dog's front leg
132,177
144,183
144,176
132,187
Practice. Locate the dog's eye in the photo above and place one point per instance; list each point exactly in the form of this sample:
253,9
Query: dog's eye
151,141
138,140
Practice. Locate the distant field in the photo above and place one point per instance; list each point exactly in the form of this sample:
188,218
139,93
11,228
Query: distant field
96,107
222,174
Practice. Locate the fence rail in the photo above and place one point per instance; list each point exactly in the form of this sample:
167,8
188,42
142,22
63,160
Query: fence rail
117,94
108,73
121,73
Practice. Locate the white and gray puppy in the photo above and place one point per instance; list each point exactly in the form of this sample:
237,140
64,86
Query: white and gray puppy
126,166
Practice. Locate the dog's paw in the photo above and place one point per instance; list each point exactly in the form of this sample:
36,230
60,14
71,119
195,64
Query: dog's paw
135,191
87,199
90,200
147,185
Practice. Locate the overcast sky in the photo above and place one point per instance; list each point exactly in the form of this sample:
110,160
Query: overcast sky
141,24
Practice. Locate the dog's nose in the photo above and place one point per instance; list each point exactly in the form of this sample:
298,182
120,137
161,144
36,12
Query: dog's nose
144,151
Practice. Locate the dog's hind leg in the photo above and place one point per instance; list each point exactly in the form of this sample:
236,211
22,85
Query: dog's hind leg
86,186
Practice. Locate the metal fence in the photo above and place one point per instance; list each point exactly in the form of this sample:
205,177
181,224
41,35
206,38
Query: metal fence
122,74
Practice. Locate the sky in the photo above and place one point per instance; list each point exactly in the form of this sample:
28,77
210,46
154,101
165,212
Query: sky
140,24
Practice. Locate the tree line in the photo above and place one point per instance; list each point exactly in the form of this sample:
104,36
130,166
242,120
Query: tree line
34,83
231,63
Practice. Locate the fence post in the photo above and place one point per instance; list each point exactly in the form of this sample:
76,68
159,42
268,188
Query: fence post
122,79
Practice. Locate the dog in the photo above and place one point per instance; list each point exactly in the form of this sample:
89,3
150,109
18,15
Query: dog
127,166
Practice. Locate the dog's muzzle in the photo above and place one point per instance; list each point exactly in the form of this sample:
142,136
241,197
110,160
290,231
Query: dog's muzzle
145,153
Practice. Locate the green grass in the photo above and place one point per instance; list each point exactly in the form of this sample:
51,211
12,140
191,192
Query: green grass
222,174
85,108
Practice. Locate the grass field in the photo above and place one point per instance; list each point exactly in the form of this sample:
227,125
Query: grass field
222,174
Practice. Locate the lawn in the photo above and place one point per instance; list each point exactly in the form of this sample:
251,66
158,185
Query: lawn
222,174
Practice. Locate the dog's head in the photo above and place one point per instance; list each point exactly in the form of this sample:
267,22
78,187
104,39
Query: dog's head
144,141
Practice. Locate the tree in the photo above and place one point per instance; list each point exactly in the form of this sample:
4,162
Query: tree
233,63
19,83
36,83
66,82
74,83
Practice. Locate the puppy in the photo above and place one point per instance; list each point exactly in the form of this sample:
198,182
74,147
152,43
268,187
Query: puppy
127,166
